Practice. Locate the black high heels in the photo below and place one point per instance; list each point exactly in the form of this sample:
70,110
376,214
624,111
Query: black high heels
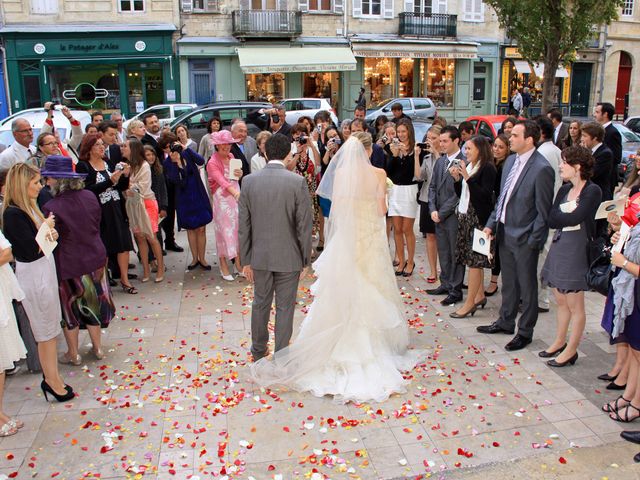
571,361
482,303
492,293
46,389
471,312
545,354
406,273
400,273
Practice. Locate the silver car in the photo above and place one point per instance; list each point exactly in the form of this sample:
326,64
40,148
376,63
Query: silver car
166,112
414,107
301,107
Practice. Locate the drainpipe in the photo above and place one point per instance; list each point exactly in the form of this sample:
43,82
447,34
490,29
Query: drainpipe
345,23
603,61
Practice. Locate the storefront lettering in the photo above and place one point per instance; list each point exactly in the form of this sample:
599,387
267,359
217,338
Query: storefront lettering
77,47
411,54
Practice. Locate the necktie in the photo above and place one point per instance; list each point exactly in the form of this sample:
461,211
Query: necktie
507,186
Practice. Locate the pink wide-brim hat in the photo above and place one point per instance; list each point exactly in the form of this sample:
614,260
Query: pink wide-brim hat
223,137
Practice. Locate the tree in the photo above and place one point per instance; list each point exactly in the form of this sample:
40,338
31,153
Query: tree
551,31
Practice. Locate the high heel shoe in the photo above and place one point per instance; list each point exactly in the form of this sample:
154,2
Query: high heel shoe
65,360
99,354
192,266
571,361
46,389
491,294
400,272
471,312
482,303
130,289
406,273
204,267
545,354
228,277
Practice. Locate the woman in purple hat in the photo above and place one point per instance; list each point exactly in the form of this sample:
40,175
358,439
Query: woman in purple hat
225,190
81,258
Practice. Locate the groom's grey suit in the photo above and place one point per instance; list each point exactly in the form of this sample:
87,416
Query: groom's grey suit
275,240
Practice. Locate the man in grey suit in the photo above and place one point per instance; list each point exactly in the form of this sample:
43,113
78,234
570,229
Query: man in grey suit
442,206
275,242
246,147
519,222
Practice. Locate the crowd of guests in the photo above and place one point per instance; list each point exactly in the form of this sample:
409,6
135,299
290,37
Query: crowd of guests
533,191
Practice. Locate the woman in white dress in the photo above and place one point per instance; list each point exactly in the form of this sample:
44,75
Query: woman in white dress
353,342
11,345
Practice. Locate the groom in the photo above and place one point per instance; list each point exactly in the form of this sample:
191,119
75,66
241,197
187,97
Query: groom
275,242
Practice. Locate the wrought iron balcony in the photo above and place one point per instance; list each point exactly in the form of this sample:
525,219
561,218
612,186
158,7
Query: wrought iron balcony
428,24
266,23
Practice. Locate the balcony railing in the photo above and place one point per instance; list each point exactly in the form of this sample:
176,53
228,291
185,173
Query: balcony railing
428,24
266,23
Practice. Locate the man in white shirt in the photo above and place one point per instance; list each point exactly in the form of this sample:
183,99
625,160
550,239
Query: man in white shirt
117,117
21,149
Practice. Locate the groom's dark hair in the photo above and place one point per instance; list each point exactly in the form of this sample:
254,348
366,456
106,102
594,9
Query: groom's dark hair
277,147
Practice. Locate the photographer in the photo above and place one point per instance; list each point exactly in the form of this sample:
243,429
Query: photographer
70,148
193,208
306,159
277,122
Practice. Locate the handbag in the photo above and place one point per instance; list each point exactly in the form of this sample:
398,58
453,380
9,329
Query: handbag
600,272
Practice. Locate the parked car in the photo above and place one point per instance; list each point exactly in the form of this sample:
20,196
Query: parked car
250,112
487,125
166,112
36,118
414,107
633,123
300,107
630,146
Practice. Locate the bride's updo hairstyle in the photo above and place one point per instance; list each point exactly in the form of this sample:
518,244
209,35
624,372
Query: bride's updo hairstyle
365,139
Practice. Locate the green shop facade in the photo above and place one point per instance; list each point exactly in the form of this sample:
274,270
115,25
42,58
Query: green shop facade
99,68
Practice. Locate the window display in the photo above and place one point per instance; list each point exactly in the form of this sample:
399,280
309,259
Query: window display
439,75
379,79
86,86
265,87
405,86
321,85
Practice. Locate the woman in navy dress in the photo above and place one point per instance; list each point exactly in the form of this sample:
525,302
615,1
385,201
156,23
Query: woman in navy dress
192,202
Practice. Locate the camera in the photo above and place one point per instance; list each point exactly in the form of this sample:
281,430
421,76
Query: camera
455,163
275,118
176,148
385,139
302,140
396,140
120,167
51,105
423,145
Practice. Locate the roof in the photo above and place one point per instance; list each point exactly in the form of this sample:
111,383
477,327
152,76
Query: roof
86,27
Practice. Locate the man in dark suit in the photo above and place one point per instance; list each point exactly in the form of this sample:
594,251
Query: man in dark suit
519,223
279,124
560,130
109,130
442,207
593,138
360,113
246,147
603,114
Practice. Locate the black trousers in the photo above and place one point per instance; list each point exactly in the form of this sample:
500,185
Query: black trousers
168,224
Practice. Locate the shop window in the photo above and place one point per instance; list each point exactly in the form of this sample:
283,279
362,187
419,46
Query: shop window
627,8
379,78
85,86
473,11
44,7
265,87
131,5
405,87
439,79
321,85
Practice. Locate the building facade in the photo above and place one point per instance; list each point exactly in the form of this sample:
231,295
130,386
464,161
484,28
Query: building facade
56,50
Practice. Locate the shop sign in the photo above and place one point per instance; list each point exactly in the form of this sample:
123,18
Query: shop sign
87,48
333,67
566,84
413,54
512,52
85,94
504,85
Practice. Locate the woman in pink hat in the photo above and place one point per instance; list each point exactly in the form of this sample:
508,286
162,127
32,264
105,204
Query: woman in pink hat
225,189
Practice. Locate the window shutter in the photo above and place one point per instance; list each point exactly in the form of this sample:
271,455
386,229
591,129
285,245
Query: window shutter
473,11
439,6
187,6
44,6
388,8
357,8
338,6
408,6
303,5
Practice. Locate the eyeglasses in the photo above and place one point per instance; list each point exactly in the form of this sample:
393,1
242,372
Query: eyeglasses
49,144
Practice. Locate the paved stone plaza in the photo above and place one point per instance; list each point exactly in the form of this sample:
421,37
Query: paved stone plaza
173,399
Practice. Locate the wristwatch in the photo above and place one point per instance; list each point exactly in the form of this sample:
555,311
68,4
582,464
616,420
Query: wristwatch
624,265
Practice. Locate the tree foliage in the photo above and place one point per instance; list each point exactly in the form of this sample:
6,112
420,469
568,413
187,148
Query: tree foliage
551,31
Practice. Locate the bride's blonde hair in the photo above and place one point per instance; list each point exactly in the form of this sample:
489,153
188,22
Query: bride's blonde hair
365,138
16,188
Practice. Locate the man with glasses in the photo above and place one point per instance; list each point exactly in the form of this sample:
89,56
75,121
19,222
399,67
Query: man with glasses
117,117
21,149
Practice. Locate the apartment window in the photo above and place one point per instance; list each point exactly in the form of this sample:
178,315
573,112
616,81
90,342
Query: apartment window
132,5
473,11
627,8
371,7
44,7
423,6
319,5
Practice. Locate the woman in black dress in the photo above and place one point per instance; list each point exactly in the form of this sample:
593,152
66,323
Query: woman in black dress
572,217
475,181
108,186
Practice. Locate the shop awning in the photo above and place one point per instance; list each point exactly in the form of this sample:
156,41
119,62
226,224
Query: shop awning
285,60
522,66
398,50
539,69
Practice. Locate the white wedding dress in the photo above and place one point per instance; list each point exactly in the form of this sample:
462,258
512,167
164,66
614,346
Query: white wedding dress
353,342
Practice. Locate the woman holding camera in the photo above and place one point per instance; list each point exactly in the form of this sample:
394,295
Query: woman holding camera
108,187
140,194
225,189
306,158
192,202
403,168
474,183
333,140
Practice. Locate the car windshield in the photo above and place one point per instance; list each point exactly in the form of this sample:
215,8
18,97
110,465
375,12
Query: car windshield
381,104
627,135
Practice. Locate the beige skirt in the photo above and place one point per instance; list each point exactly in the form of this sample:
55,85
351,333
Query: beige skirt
39,282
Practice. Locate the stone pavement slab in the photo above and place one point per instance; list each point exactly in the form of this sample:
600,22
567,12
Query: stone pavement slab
173,399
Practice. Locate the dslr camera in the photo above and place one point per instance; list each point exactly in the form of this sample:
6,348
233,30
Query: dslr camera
176,148
302,140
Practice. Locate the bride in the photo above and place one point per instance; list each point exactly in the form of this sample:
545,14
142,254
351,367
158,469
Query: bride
353,342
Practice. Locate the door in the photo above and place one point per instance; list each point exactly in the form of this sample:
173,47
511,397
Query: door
479,95
32,96
201,81
580,87
624,80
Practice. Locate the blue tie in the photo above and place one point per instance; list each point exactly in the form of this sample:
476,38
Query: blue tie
507,186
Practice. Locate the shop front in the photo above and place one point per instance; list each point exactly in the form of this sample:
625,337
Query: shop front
106,70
